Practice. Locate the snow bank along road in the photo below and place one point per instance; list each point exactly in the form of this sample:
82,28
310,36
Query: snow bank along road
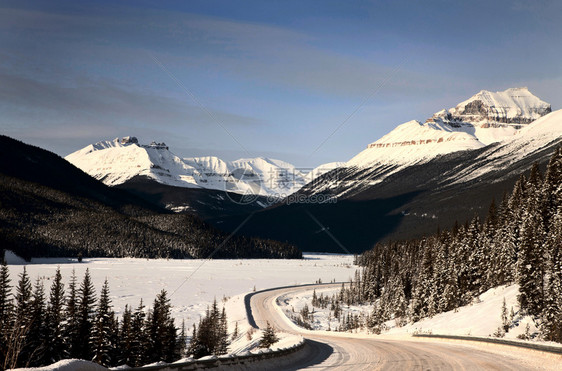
346,351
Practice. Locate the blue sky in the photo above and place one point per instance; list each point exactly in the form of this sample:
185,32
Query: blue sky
261,78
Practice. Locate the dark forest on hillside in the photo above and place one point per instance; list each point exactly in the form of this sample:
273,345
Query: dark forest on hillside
48,207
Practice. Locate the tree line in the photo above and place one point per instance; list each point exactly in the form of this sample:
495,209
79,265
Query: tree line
39,221
39,328
520,241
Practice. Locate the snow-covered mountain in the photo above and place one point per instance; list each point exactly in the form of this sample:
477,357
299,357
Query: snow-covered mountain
420,176
117,161
485,118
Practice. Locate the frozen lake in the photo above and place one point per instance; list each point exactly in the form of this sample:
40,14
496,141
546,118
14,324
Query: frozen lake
192,284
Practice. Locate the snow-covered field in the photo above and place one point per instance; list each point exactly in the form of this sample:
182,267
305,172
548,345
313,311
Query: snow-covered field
192,284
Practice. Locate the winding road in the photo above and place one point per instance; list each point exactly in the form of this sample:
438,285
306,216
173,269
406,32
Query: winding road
345,351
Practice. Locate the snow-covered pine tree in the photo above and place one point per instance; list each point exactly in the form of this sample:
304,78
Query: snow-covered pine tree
551,316
552,186
269,337
504,317
476,258
530,265
502,256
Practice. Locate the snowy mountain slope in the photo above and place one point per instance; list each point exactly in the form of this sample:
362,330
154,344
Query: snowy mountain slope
380,197
120,160
539,134
322,169
485,118
115,162
493,117
414,142
512,106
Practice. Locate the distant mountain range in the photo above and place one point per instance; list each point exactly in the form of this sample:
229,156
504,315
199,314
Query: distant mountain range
419,176
51,208
207,186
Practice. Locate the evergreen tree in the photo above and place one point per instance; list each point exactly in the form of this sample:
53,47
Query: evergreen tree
102,331
504,317
86,301
222,334
114,339
182,341
56,346
22,321
161,331
37,330
195,348
5,309
236,332
71,329
269,337
140,345
127,338
551,316
530,261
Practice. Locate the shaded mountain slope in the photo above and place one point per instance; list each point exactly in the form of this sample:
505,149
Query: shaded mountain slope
50,208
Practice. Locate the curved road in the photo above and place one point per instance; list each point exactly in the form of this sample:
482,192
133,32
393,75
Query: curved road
345,351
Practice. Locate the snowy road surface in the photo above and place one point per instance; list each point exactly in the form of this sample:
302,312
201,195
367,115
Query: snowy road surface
345,351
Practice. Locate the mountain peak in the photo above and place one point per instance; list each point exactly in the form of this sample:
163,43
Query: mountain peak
117,161
486,117
513,106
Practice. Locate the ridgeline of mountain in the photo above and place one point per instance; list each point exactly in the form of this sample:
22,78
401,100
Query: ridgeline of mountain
206,186
419,177
51,208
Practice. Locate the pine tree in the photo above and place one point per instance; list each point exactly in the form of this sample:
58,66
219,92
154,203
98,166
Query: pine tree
236,332
530,261
140,345
23,320
71,330
269,337
56,347
127,338
86,302
504,317
6,309
195,348
114,339
37,330
161,330
551,316
182,341
103,328
222,334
